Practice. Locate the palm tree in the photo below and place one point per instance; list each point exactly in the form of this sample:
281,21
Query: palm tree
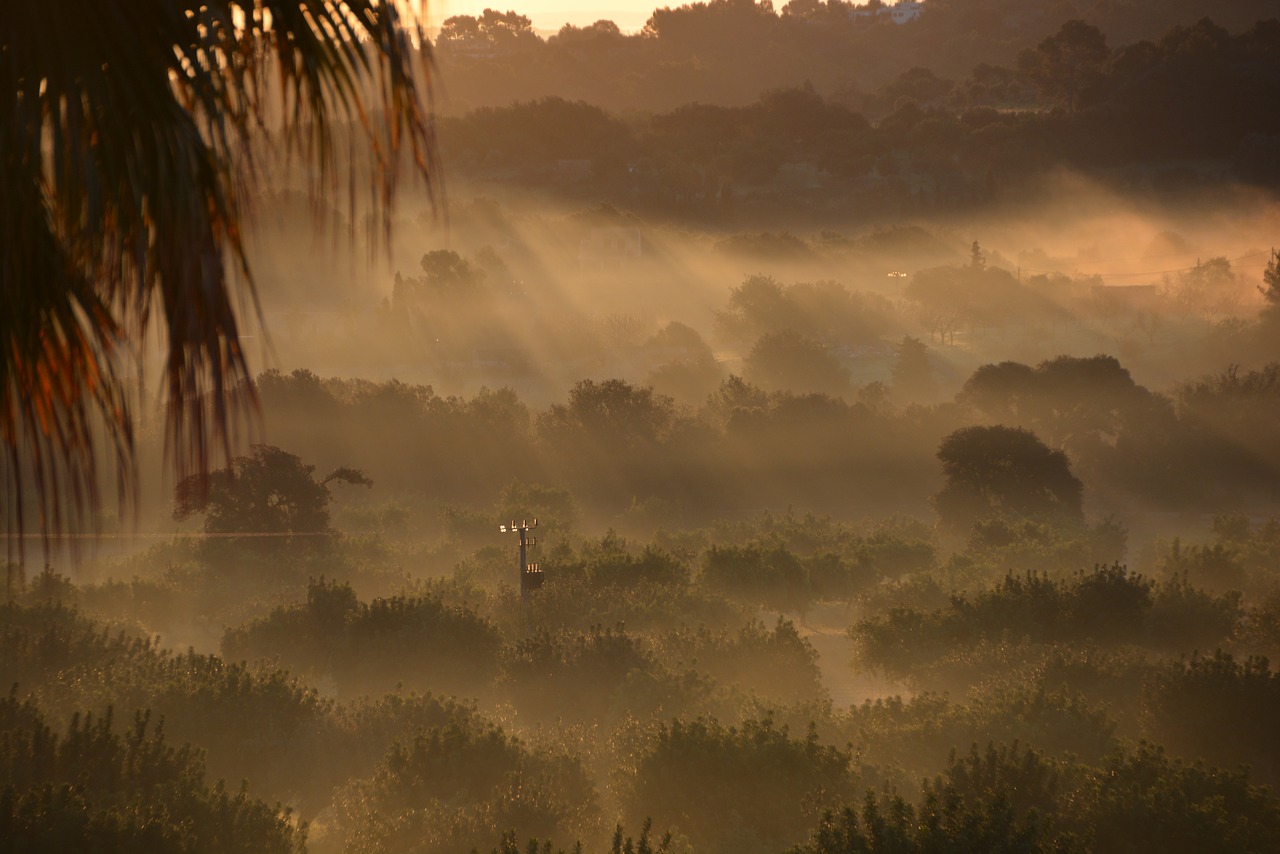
134,128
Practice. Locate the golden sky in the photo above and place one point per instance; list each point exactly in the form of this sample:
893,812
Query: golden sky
551,15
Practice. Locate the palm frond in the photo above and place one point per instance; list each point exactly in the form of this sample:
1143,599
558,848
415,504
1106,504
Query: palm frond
134,129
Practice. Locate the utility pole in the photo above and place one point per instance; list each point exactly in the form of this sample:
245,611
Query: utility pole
530,574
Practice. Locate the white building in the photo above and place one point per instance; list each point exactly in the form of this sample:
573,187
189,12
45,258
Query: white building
901,12
905,10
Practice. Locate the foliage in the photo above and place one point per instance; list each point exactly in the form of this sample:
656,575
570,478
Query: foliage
115,227
904,739
912,373
255,726
1066,65
984,802
454,785
1270,288
774,576
1211,708
1226,412
1108,605
571,675
775,663
93,788
268,492
994,471
748,788
1065,400
416,641
953,297
1007,799
791,360
1141,799
825,311
614,581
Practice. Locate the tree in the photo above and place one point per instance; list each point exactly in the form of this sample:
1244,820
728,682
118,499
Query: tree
1066,64
977,258
492,31
1064,399
448,277
612,413
788,360
1270,289
125,159
269,491
911,372
1003,471
1209,290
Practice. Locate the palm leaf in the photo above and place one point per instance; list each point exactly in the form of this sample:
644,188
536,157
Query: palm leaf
134,129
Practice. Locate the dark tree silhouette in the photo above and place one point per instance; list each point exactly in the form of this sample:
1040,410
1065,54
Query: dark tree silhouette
789,360
1271,289
268,491
1064,65
1003,471
911,372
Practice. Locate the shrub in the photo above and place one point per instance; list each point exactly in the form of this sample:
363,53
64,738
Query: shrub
569,674
776,663
461,786
1217,709
417,641
752,788
770,577
92,788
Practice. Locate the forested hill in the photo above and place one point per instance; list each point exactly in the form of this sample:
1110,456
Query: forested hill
1183,110
729,51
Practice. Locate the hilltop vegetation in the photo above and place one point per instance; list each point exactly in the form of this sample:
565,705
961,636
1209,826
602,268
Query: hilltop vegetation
856,530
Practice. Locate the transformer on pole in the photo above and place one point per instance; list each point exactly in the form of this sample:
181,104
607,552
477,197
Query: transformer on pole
530,574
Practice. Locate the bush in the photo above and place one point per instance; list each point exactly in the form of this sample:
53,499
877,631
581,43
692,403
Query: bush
774,663
769,577
911,739
571,675
1217,709
1014,800
95,789
744,789
262,727
460,787
1143,801
1109,605
416,641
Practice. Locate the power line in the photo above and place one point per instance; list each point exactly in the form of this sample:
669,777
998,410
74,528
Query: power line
1152,272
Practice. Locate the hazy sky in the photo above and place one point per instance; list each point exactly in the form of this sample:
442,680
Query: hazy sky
551,15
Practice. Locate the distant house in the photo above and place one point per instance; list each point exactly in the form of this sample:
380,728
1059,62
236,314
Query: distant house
900,13
905,11
613,246
472,47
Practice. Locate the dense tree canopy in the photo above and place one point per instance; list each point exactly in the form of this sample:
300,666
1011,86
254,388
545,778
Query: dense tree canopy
1004,471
